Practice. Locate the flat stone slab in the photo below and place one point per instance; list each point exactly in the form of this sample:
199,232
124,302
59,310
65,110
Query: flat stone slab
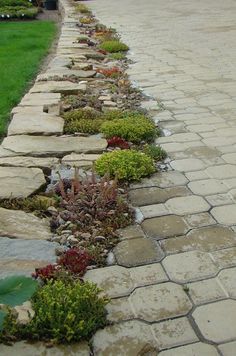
19,182
189,266
64,87
187,205
226,257
41,124
228,349
198,349
228,280
159,302
38,99
20,225
165,226
225,214
206,291
216,321
80,160
57,146
12,267
207,187
131,232
50,75
187,165
45,163
162,180
135,252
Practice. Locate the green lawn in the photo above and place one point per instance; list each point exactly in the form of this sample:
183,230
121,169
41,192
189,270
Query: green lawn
22,47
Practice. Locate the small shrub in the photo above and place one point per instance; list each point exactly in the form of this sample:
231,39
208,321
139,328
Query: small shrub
17,12
155,152
113,46
37,204
134,128
64,312
118,56
83,9
86,20
125,165
82,120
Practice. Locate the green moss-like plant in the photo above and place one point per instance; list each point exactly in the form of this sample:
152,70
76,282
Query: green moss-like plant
134,128
155,152
82,120
117,56
113,46
125,165
64,313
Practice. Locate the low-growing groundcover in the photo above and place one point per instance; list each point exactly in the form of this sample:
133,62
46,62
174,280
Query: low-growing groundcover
22,47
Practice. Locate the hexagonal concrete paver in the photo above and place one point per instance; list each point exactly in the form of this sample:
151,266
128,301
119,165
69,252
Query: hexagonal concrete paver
206,291
187,164
127,338
225,214
225,258
228,279
148,274
160,301
147,196
207,187
191,204
228,349
136,252
198,349
221,172
216,321
189,266
165,226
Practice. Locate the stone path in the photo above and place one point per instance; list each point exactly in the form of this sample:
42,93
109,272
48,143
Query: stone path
174,287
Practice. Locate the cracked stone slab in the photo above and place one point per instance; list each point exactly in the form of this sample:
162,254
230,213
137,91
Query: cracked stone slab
209,238
127,338
159,302
80,160
135,252
228,280
189,266
45,163
225,214
20,225
20,182
206,291
64,87
165,226
172,333
216,321
37,124
187,205
48,146
198,349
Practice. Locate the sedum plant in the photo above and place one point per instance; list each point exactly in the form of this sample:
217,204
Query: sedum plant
125,165
113,46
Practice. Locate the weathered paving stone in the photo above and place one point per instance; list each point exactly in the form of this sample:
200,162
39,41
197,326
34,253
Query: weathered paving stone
199,220
162,180
187,205
64,87
165,226
131,232
12,267
225,258
228,280
187,165
38,99
148,274
80,160
45,163
115,280
17,182
228,349
128,338
136,252
172,333
119,310
18,224
159,302
57,146
151,211
222,171
198,349
37,124
225,214
189,266
216,321
206,291
23,348
64,73
230,158
209,238
220,199
207,187
147,196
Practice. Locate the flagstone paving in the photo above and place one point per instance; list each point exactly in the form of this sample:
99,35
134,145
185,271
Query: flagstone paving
172,285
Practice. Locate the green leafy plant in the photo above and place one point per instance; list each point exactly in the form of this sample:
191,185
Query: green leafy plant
134,128
83,9
9,12
117,56
64,312
125,165
155,152
113,46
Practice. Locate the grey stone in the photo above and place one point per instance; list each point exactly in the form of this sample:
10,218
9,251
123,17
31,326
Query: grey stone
64,87
165,226
45,163
198,349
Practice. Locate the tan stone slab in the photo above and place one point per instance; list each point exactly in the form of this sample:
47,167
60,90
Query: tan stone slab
199,220
225,258
165,226
206,291
172,333
18,224
222,172
20,182
225,214
197,175
207,187
64,87
22,348
228,349
180,137
119,310
58,146
187,205
216,321
136,252
151,211
50,75
228,279
12,267
127,338
187,165
39,124
131,232
220,199
38,99
198,349
148,274
162,180
159,302
45,163
189,266
79,160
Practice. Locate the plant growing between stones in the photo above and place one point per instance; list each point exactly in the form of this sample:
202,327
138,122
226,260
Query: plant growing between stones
113,46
